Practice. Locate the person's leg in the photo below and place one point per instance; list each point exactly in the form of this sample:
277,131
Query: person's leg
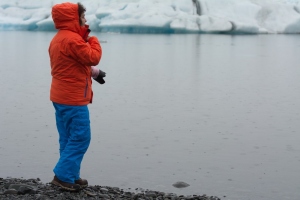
61,128
77,123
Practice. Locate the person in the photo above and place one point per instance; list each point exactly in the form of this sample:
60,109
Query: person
73,57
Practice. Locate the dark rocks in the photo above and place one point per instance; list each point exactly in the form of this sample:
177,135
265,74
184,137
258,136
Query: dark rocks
12,188
21,188
10,191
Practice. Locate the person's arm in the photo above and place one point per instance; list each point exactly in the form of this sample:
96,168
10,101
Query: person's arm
95,72
87,53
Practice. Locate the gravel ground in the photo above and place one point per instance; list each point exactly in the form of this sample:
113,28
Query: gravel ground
25,189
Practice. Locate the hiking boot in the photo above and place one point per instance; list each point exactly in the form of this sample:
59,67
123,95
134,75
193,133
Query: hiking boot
64,185
82,182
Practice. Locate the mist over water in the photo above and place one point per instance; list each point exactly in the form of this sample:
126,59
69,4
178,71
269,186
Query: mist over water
218,112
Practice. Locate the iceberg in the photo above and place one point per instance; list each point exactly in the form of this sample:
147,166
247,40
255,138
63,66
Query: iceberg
162,16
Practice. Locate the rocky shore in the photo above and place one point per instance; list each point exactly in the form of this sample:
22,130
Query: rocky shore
27,189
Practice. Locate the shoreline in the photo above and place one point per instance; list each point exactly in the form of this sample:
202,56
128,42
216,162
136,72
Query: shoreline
19,188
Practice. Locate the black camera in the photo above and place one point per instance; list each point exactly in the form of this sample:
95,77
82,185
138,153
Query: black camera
100,77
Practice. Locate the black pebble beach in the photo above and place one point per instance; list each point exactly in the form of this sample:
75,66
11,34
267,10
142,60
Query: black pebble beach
26,189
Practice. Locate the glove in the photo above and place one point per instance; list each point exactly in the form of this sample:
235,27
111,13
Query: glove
99,78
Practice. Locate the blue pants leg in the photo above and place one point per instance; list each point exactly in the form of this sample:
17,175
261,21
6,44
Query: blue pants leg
62,130
73,125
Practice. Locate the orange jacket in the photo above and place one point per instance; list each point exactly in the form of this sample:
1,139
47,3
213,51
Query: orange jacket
71,58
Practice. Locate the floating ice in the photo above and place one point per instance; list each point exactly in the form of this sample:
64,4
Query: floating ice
162,16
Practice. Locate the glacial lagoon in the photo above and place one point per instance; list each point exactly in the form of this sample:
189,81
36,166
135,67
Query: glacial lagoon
219,112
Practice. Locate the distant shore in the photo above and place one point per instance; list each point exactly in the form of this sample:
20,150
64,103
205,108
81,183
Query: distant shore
19,188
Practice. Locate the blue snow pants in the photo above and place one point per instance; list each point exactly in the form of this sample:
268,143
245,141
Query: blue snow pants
73,125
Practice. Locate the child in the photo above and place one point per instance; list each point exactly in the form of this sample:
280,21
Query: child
73,55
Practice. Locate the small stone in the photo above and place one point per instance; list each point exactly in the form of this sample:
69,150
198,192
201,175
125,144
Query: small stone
10,191
104,190
150,194
180,184
104,196
90,192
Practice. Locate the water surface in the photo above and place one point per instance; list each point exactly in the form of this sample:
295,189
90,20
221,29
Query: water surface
218,112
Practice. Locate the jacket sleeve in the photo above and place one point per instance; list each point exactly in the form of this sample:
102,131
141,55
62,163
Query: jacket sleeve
88,54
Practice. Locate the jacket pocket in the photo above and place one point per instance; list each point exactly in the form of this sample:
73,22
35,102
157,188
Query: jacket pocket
86,88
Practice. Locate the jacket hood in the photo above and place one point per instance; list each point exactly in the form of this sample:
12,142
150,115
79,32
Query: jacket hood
65,17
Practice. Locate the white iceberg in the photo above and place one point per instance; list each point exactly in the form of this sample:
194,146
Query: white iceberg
162,16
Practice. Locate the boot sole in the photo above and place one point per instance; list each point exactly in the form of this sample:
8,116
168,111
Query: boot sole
65,188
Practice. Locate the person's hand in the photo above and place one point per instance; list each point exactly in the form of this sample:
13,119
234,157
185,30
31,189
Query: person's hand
99,78
86,36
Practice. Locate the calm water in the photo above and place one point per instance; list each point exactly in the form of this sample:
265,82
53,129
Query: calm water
219,112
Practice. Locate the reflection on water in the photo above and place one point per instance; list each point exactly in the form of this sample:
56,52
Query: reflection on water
218,112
